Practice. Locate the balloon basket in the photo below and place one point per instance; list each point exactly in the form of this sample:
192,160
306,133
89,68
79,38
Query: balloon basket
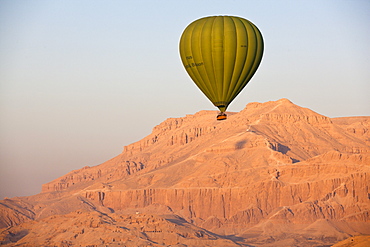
221,116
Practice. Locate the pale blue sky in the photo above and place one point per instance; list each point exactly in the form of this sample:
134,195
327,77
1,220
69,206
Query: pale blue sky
81,79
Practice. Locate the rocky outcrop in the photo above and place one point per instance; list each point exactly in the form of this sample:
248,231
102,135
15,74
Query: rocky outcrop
89,174
96,229
274,174
15,212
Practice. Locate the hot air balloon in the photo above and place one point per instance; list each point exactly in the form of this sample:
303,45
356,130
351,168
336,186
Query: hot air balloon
221,54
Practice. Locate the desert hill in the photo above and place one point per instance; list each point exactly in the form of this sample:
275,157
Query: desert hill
274,174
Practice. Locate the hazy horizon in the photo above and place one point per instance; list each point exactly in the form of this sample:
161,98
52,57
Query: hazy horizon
81,79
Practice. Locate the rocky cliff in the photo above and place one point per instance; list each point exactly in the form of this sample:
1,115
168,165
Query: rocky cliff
274,174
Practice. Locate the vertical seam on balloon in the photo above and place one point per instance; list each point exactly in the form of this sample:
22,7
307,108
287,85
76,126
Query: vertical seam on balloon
187,35
210,88
256,61
212,57
203,87
227,81
259,50
232,74
235,77
241,79
190,34
217,86
248,74
251,70
258,54
224,57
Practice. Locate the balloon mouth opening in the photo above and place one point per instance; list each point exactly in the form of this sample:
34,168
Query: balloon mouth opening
222,108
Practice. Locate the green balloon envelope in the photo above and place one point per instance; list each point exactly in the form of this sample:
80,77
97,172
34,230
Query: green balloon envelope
221,55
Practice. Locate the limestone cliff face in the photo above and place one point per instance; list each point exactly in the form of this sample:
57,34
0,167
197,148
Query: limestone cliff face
295,133
272,170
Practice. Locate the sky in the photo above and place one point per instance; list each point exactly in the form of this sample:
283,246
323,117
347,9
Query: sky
79,80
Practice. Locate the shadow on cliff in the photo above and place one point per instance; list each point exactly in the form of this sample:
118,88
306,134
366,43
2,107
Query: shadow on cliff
177,220
238,240
13,237
181,221
240,144
284,150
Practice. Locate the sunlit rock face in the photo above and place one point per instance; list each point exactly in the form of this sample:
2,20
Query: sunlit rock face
274,174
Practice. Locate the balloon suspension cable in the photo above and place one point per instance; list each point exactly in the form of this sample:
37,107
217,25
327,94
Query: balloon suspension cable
221,116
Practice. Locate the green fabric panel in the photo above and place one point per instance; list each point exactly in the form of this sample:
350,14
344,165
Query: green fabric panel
198,65
186,54
230,52
250,58
206,50
254,56
218,55
221,54
240,58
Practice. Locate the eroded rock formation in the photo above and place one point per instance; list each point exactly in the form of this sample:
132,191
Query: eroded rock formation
274,174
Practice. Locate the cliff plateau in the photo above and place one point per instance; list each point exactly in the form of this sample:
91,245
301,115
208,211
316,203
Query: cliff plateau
274,174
